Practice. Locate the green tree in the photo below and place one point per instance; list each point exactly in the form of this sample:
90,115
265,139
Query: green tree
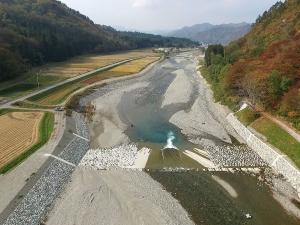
211,52
279,83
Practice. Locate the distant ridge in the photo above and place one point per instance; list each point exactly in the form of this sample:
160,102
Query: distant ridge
213,34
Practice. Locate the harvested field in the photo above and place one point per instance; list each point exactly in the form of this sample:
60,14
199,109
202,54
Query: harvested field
83,64
102,76
18,132
123,70
135,66
58,96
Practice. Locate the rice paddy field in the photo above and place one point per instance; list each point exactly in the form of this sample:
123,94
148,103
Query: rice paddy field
58,95
18,132
135,66
84,64
55,72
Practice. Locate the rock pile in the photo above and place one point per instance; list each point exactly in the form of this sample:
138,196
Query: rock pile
234,156
122,156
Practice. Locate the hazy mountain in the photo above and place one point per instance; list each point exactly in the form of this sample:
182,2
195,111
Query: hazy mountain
189,32
213,34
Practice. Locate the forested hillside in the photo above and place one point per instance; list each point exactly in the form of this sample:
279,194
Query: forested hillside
33,32
264,66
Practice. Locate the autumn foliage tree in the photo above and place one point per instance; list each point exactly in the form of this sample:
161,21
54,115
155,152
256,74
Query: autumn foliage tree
264,64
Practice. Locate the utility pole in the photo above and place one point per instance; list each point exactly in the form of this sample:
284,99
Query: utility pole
37,78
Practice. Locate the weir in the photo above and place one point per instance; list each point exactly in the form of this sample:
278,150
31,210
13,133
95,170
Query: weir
170,139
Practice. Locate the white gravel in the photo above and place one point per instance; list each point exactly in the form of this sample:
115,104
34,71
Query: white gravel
116,197
107,129
199,122
117,157
180,89
231,155
123,156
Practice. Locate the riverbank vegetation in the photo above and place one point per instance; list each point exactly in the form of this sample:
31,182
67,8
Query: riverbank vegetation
262,67
247,116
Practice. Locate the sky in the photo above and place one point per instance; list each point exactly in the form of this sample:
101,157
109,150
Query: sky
156,15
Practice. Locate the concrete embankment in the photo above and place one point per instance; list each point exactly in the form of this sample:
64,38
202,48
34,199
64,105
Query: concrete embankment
276,160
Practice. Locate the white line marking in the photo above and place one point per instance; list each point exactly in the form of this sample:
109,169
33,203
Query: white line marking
248,139
60,159
277,158
83,138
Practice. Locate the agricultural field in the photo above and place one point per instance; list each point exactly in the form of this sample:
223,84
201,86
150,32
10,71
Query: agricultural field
135,66
58,95
55,72
19,131
29,131
123,70
84,64
102,76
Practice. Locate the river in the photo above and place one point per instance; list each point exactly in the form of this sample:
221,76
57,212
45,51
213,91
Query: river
170,110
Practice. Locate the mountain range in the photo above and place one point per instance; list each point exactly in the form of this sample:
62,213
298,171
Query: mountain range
213,34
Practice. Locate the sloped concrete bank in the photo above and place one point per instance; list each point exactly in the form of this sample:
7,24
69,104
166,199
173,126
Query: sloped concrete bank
276,160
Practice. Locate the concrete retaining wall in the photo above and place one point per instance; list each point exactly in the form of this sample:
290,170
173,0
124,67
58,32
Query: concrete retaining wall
276,160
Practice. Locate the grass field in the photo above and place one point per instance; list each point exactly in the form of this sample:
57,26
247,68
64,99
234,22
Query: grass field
27,86
32,105
22,133
247,116
279,138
